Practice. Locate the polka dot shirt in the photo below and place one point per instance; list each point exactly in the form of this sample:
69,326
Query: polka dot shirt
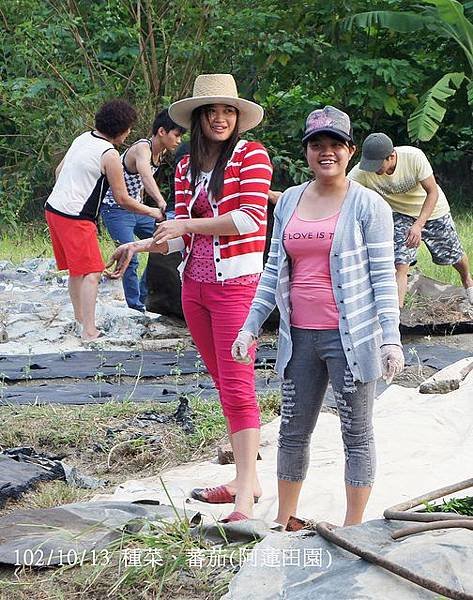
200,266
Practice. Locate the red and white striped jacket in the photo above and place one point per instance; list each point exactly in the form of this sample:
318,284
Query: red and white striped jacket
247,178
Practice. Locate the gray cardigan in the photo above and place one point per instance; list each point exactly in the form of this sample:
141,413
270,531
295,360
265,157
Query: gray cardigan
363,280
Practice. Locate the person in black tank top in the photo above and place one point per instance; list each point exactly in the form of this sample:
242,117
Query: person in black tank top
141,163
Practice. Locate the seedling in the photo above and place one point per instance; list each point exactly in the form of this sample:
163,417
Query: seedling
137,379
3,386
199,366
176,370
98,378
27,367
120,371
420,370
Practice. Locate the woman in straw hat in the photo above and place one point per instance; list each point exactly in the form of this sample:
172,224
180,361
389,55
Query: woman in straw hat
221,191
331,273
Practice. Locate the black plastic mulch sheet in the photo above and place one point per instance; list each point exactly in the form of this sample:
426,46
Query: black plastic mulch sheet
438,328
153,364
159,364
18,477
89,363
94,393
83,364
67,534
437,356
22,468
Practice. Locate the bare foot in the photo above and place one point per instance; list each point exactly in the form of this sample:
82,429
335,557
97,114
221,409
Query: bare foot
244,503
92,337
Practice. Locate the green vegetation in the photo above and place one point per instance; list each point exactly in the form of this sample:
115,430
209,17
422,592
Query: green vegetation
85,434
464,225
14,249
49,494
32,241
461,506
165,560
447,19
75,431
60,60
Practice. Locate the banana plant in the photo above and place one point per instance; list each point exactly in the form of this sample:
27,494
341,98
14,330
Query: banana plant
447,19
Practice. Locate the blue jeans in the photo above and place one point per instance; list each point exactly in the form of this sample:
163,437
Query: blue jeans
123,226
317,357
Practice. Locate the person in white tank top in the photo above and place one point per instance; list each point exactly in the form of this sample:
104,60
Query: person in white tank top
89,167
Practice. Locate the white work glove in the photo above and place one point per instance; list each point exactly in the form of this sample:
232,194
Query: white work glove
392,360
241,346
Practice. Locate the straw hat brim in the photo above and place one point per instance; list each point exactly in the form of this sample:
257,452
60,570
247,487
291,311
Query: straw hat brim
250,114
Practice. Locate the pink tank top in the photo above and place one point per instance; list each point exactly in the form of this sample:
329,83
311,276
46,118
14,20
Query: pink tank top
200,266
308,245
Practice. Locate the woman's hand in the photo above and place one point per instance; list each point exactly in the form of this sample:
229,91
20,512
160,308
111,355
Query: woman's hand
392,360
121,259
241,347
169,230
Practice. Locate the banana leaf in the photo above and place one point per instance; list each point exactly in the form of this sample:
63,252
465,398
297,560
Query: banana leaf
425,120
469,91
402,22
449,11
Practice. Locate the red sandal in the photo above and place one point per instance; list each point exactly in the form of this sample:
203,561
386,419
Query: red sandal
216,495
234,516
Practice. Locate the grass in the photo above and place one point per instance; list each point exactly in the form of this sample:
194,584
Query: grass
14,248
32,241
106,442
422,309
73,430
163,560
464,225
59,428
49,494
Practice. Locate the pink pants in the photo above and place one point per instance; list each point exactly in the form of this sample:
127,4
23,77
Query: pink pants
214,314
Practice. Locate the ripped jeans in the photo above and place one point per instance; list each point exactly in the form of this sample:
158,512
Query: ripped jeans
318,356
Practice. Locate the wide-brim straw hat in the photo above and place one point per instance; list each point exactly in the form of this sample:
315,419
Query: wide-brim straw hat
216,89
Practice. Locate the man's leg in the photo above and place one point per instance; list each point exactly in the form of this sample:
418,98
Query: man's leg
59,228
74,286
463,268
120,224
444,245
401,279
88,299
403,256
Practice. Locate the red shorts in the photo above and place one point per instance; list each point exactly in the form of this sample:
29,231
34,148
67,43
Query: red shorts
75,245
